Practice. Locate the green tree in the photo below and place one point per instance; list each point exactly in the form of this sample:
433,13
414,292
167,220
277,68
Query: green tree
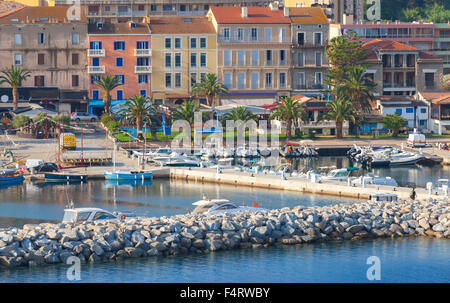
107,84
411,14
394,123
290,110
14,77
211,88
340,110
136,109
186,112
239,113
21,121
447,82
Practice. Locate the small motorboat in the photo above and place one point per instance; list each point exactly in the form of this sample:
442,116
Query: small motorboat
373,179
340,174
221,206
64,177
10,176
382,197
405,159
128,175
289,151
92,214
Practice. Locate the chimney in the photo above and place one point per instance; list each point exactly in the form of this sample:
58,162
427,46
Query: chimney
244,12
397,22
286,11
273,6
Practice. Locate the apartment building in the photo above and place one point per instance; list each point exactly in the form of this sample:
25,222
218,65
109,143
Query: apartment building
399,69
125,10
184,51
439,105
254,53
50,44
310,31
124,51
442,44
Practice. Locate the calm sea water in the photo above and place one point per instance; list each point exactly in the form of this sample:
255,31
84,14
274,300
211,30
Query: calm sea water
402,260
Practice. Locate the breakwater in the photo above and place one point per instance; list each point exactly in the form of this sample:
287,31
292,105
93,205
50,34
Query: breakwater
35,245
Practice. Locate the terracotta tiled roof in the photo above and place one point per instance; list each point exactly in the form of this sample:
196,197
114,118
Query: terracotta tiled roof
6,7
388,45
308,15
424,55
255,15
118,28
436,97
181,25
40,14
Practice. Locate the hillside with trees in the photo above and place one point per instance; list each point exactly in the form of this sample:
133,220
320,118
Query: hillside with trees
436,11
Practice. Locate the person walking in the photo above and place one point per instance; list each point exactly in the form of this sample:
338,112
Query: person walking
413,194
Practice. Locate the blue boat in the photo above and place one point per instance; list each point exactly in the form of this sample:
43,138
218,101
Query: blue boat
10,176
128,175
60,177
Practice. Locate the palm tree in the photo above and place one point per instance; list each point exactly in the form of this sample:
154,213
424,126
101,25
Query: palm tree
107,84
211,87
14,77
137,109
341,110
290,110
185,112
239,113
358,87
394,123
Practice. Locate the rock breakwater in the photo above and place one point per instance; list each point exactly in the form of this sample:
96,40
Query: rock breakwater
46,243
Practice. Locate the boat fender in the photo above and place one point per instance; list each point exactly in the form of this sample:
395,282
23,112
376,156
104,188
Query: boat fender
255,205
122,217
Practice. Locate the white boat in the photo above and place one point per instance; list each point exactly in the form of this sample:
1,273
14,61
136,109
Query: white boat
382,197
244,152
373,179
92,214
405,159
340,174
221,206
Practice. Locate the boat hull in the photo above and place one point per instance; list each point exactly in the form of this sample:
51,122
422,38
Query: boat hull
11,180
380,163
64,177
128,176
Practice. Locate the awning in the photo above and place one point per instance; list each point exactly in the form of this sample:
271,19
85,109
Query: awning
257,110
248,101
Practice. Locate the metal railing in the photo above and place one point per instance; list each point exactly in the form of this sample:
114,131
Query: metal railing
138,69
143,52
96,52
96,69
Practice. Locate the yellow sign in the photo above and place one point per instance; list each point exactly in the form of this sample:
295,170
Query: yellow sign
68,141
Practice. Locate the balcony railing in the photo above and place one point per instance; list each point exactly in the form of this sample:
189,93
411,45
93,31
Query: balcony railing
143,52
96,69
142,69
96,52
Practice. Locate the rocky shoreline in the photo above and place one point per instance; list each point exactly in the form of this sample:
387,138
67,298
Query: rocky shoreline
46,243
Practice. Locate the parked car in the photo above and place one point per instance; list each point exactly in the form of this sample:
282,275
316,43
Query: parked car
83,116
46,167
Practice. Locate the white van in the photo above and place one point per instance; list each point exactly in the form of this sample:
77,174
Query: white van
416,140
33,163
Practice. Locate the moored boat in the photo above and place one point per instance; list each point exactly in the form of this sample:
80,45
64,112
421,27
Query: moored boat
10,176
61,177
128,175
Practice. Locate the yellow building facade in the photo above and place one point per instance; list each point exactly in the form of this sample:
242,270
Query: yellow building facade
297,3
184,50
35,2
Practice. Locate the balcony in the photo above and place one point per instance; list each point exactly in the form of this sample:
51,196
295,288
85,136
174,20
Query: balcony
96,52
143,52
143,69
96,69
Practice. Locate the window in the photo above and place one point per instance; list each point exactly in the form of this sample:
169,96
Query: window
119,45
227,57
255,57
254,34
422,122
168,60
282,35
226,34
142,61
75,59
41,39
241,58
119,94
177,43
409,110
75,38
202,75
119,62
95,45
255,80
143,78
167,7
142,44
182,7
120,79
153,7
168,80
227,80
318,59
177,60
301,38
241,81
194,60
41,59
39,81
318,80
268,57
268,80
423,110
300,80
18,39
282,57
193,43
141,8
268,34
300,59
317,38
398,111
95,94
177,80
95,61
143,92
75,80
429,79
202,42
168,42
94,79
193,79
17,59
203,60
282,80
240,34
